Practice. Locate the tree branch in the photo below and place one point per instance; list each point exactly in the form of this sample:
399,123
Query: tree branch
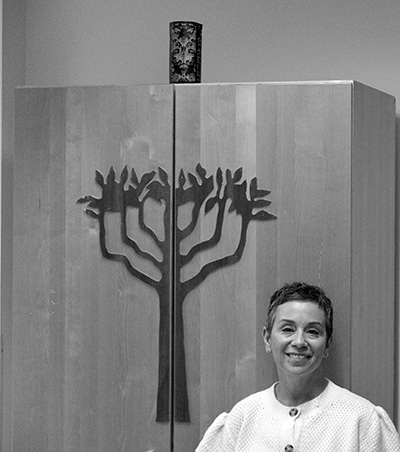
121,257
216,237
144,227
211,267
133,244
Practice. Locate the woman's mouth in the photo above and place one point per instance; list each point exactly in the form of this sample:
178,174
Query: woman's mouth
297,356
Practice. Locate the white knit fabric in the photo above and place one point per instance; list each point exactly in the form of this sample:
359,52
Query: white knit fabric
336,421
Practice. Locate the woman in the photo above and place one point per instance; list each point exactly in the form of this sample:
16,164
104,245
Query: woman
303,411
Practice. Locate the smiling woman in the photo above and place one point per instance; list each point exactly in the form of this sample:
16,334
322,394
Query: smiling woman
298,341
303,411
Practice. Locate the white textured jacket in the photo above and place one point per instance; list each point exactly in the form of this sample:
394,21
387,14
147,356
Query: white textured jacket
336,421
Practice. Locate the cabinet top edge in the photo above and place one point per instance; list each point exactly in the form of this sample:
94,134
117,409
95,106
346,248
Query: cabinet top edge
180,86
292,82
316,82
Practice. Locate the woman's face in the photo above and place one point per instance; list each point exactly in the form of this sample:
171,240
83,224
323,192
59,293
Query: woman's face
298,339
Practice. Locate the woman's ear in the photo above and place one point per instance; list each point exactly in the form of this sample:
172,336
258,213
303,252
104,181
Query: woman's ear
266,338
328,344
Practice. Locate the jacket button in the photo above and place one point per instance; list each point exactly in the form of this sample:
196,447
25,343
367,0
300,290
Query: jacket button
289,448
293,412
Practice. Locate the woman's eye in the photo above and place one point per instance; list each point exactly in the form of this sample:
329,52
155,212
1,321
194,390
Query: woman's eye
313,333
287,329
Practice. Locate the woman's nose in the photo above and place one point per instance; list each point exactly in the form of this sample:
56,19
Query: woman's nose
299,339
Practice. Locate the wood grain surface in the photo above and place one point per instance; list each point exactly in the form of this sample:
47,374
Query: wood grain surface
85,342
86,332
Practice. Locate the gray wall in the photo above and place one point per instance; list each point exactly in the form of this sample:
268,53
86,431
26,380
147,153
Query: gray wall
13,74
126,41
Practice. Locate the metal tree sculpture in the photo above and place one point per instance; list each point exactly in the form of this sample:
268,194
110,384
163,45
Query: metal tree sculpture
202,192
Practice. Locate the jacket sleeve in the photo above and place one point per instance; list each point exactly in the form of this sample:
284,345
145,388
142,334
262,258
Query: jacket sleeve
217,437
380,434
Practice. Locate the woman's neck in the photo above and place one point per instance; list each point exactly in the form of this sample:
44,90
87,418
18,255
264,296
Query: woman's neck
296,391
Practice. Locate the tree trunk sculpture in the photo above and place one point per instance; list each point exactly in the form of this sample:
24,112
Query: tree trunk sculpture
206,193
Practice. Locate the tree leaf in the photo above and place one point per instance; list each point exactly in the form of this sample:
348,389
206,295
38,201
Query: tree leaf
193,180
262,193
210,204
253,188
219,177
182,178
99,178
146,178
163,175
92,214
263,216
259,203
201,171
111,176
134,177
238,175
85,199
124,176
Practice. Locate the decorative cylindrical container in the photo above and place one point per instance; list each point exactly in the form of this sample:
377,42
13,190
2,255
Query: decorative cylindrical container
185,52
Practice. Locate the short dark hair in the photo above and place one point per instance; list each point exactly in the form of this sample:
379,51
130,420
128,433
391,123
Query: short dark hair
300,291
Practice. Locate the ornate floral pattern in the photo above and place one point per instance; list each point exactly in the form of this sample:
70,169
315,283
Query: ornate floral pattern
185,52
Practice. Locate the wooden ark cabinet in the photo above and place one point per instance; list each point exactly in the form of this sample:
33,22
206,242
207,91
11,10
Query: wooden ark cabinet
151,226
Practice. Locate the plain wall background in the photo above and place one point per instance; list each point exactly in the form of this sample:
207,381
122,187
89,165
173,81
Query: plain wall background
106,42
94,42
